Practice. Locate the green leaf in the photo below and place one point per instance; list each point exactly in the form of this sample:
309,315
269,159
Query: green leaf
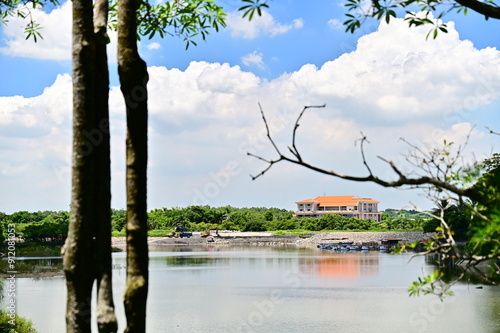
252,11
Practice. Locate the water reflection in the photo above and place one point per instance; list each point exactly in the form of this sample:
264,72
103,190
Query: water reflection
202,289
191,261
344,266
37,265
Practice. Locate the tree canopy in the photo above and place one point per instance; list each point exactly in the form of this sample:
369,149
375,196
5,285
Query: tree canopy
415,12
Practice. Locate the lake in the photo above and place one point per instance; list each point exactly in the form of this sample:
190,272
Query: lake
264,289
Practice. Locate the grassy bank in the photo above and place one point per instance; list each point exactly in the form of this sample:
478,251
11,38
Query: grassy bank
35,249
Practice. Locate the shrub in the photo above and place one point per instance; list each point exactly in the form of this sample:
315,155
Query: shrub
254,226
45,231
20,324
228,225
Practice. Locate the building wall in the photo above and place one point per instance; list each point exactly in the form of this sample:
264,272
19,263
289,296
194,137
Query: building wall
363,210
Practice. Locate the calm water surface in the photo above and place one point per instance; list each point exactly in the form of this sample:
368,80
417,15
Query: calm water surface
233,289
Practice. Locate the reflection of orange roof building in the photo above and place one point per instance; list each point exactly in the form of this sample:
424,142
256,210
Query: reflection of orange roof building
342,266
347,206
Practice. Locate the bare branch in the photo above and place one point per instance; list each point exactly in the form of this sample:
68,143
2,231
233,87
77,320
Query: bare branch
403,180
492,131
294,149
270,162
393,166
268,133
362,140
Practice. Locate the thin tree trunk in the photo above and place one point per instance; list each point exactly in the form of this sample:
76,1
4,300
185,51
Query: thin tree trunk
78,251
106,319
133,79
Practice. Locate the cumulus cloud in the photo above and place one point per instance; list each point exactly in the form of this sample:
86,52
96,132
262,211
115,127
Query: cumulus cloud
398,76
55,30
335,24
37,115
254,59
260,25
204,119
153,46
36,149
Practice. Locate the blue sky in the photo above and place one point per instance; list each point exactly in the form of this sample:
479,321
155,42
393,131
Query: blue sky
385,81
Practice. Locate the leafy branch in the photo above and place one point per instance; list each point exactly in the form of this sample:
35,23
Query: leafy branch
184,18
358,11
188,19
23,9
252,7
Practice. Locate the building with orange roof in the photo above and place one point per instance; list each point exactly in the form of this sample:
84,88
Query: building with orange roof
345,205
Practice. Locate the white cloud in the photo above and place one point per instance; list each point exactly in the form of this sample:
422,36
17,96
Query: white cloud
36,149
56,32
335,24
203,121
398,76
298,23
37,115
153,46
260,25
254,59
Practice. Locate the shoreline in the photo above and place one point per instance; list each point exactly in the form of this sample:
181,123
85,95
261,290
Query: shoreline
267,238
39,275
256,239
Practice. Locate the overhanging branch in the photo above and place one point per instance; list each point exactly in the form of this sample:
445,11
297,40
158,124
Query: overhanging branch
401,181
481,7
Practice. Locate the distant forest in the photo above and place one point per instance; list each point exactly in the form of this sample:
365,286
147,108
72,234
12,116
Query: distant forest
52,226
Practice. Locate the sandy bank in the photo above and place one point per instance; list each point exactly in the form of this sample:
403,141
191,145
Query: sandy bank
267,238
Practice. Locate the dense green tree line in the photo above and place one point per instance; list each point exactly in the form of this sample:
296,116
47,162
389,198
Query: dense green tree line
197,218
52,225
227,218
37,226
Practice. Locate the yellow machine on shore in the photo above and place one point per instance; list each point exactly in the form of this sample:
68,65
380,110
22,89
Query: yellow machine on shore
206,233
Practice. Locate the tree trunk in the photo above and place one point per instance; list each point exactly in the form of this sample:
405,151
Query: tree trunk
133,79
106,319
78,251
87,252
